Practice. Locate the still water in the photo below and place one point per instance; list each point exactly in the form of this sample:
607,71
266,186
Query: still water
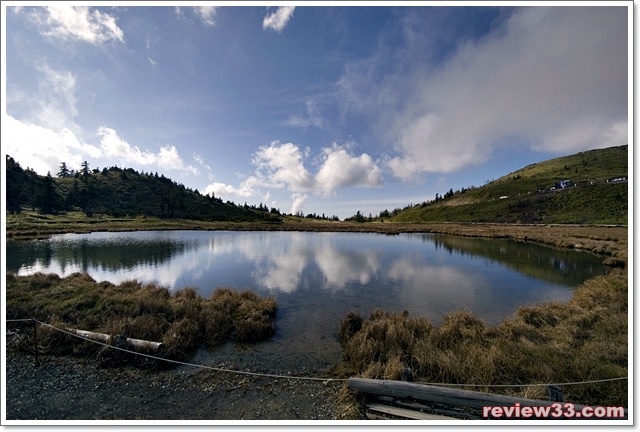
317,278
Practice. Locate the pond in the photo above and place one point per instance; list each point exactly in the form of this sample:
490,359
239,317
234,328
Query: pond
317,278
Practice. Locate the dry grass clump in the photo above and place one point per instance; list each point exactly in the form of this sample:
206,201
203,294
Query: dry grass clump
181,320
584,339
243,316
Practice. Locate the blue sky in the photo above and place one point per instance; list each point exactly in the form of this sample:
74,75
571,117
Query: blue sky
319,109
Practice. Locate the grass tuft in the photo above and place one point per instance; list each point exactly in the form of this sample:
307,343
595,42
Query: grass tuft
583,339
181,320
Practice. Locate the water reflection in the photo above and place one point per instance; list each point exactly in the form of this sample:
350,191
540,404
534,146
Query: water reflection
317,278
423,273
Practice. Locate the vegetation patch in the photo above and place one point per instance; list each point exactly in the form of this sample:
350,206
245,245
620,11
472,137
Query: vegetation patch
582,340
182,320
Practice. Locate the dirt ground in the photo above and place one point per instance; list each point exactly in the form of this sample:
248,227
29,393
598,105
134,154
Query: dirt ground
66,388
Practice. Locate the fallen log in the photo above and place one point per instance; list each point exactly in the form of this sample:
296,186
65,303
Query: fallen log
455,397
119,340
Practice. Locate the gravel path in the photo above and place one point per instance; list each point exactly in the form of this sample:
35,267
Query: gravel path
65,388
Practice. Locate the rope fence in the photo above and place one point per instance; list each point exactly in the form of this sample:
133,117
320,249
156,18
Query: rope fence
289,377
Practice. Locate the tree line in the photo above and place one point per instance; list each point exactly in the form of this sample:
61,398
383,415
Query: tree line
118,192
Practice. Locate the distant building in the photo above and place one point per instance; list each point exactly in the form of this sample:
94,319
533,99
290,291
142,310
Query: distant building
564,184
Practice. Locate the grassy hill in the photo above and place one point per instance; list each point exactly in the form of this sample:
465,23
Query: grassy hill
596,194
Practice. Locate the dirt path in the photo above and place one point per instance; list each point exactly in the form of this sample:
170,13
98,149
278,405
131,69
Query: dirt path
64,388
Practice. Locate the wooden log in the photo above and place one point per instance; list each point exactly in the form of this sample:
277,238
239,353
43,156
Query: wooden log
406,413
100,337
119,340
144,344
447,396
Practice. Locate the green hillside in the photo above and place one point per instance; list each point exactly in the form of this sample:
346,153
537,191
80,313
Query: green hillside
597,194
120,193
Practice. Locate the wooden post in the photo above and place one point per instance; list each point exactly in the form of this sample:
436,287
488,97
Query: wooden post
554,393
35,340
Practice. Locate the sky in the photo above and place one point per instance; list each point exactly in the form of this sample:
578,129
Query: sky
326,109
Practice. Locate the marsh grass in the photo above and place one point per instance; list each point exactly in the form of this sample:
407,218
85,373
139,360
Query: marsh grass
581,340
181,320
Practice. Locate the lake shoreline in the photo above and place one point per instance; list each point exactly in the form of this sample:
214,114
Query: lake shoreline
601,239
609,242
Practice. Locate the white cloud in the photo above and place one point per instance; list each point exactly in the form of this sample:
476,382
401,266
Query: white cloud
53,105
43,149
548,78
297,201
282,165
169,159
278,19
207,14
115,147
78,22
222,190
341,169
312,117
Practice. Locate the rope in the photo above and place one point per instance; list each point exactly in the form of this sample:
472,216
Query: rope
20,320
305,378
195,365
525,385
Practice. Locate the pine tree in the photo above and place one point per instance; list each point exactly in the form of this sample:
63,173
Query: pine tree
64,171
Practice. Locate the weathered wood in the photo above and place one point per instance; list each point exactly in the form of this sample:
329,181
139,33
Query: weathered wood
447,396
430,408
144,344
119,340
100,337
406,413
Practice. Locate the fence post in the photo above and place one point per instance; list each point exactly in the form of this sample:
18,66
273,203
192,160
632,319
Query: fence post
554,393
35,340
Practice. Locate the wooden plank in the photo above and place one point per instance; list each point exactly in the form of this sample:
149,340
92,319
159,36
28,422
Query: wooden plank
447,396
425,407
406,413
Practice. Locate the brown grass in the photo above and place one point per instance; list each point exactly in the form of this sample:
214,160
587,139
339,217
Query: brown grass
181,320
584,339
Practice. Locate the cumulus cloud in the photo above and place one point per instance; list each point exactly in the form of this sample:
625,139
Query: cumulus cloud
552,79
77,23
43,149
282,165
278,20
221,189
115,147
297,201
50,135
341,169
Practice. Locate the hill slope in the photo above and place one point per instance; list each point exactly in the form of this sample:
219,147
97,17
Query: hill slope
120,192
596,194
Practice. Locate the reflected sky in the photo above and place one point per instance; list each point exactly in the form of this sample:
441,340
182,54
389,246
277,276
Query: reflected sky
416,272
